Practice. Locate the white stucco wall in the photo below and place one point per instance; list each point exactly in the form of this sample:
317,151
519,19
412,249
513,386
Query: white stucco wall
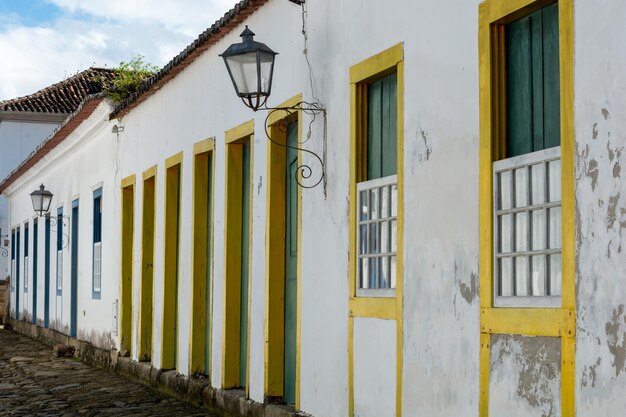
374,367
440,252
82,163
600,109
18,139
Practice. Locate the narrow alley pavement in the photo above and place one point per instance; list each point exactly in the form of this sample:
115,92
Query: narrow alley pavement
33,382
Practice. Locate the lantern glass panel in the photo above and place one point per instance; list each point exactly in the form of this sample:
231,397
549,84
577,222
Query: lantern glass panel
266,62
243,69
37,202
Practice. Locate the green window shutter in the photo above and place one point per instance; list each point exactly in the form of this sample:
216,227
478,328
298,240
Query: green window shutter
532,65
382,119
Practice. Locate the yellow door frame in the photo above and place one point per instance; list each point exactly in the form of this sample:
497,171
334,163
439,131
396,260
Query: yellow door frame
126,257
171,248
232,254
553,322
148,217
388,308
275,254
201,233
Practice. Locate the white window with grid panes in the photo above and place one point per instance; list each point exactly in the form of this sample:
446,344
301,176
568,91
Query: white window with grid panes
59,270
25,273
377,227
527,226
13,274
97,266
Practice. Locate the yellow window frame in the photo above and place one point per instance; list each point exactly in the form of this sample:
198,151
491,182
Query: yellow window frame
559,322
384,63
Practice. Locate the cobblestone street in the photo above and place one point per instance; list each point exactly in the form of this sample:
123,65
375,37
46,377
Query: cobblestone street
33,382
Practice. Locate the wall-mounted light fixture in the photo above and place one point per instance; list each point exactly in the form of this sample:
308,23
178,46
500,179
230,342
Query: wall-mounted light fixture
250,65
41,199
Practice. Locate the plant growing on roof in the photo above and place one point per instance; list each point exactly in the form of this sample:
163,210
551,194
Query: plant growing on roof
129,76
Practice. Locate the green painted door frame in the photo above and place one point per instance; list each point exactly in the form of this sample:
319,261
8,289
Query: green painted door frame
291,264
245,264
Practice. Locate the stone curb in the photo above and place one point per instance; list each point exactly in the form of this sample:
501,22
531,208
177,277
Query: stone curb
196,390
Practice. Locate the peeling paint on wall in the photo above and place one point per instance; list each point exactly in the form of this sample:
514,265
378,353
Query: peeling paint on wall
592,172
605,113
616,339
424,148
611,213
525,376
589,374
469,292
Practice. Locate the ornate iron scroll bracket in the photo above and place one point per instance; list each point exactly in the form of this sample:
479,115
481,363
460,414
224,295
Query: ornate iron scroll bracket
304,172
3,251
53,224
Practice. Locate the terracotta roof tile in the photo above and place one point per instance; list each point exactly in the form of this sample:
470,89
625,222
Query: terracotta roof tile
84,109
63,97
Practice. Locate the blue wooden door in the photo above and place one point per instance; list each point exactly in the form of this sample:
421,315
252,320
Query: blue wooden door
46,271
17,275
74,275
35,250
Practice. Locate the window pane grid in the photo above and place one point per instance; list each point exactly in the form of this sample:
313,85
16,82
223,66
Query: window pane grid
26,273
97,266
527,224
376,232
59,270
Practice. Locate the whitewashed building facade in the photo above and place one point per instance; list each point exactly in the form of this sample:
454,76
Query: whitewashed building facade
461,256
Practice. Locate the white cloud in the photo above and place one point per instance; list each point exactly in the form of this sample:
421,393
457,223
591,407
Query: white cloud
99,33
175,15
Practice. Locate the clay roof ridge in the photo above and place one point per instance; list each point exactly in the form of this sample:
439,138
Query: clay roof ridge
61,97
215,32
38,152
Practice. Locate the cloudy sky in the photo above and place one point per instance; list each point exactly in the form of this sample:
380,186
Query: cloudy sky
45,41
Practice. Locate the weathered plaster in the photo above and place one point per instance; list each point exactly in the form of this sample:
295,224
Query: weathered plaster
525,376
600,102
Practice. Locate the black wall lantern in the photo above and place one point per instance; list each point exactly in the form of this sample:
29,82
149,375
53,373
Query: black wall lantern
41,200
250,65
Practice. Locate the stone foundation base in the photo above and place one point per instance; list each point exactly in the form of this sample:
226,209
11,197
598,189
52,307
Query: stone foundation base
196,390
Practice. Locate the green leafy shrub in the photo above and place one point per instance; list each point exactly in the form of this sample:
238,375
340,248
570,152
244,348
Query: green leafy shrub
129,76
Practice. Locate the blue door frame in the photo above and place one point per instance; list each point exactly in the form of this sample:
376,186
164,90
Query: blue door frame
46,288
74,277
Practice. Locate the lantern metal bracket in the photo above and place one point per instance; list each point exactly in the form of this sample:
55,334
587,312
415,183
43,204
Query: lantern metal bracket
53,224
4,251
304,172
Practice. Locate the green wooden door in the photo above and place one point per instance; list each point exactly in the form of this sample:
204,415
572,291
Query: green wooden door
245,258
532,65
291,264
208,292
382,128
